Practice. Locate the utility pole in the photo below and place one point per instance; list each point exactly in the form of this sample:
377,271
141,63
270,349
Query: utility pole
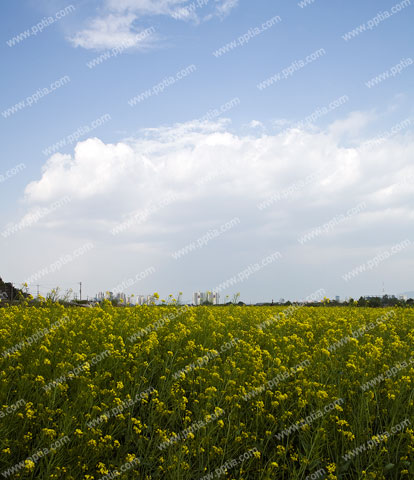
80,291
38,295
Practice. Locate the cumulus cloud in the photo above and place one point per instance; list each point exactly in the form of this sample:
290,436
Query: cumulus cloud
95,168
178,157
167,186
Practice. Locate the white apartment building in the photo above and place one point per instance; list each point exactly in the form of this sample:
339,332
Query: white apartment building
200,297
144,299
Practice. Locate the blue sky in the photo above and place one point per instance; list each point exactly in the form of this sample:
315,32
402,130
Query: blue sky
261,125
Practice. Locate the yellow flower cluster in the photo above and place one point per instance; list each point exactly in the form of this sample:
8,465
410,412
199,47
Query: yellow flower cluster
125,411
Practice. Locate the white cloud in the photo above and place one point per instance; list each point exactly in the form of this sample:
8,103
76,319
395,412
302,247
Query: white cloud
95,168
224,7
145,7
168,7
256,124
255,165
214,175
117,23
352,126
112,31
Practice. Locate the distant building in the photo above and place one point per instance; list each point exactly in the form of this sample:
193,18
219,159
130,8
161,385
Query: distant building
121,297
337,298
144,299
211,297
101,296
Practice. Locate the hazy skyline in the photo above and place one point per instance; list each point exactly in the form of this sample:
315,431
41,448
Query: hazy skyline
180,145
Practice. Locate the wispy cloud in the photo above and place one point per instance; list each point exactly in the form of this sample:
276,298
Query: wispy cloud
112,31
117,24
